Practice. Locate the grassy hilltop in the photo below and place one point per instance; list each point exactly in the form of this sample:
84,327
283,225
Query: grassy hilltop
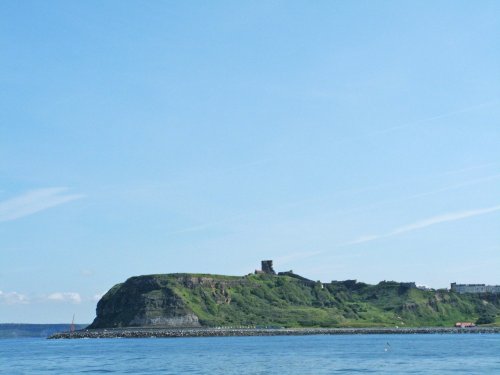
270,300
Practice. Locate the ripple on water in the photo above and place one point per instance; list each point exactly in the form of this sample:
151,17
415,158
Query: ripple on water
293,355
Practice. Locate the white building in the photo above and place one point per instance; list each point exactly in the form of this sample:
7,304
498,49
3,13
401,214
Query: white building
474,288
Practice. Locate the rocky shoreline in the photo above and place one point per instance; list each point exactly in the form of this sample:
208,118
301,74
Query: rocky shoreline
222,332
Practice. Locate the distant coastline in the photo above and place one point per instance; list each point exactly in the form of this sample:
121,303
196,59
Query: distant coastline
25,330
228,332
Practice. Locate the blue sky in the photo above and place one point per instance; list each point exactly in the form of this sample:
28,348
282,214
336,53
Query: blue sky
344,140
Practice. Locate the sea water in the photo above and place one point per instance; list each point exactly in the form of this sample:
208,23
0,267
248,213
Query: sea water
349,354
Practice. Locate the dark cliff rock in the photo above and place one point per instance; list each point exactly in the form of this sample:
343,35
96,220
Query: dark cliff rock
143,301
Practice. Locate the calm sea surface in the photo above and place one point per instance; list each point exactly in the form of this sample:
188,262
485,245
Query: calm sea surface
374,354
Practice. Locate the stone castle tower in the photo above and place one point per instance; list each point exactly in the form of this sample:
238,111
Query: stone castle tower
267,267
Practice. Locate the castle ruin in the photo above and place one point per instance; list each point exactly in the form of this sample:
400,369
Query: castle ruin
267,267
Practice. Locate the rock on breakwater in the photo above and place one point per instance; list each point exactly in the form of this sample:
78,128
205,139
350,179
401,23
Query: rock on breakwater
221,332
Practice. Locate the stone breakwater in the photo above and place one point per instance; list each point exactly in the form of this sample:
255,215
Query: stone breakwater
221,332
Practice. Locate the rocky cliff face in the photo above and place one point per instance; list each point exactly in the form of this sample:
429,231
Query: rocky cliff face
192,300
143,301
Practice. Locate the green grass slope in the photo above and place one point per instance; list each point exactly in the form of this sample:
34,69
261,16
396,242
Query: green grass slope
267,300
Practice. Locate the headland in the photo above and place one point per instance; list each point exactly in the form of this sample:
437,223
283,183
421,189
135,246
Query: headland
269,303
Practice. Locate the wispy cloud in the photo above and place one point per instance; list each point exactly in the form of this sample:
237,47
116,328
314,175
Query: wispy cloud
444,219
13,298
65,297
35,201
472,168
316,198
376,205
364,238
436,117
86,272
457,186
439,219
